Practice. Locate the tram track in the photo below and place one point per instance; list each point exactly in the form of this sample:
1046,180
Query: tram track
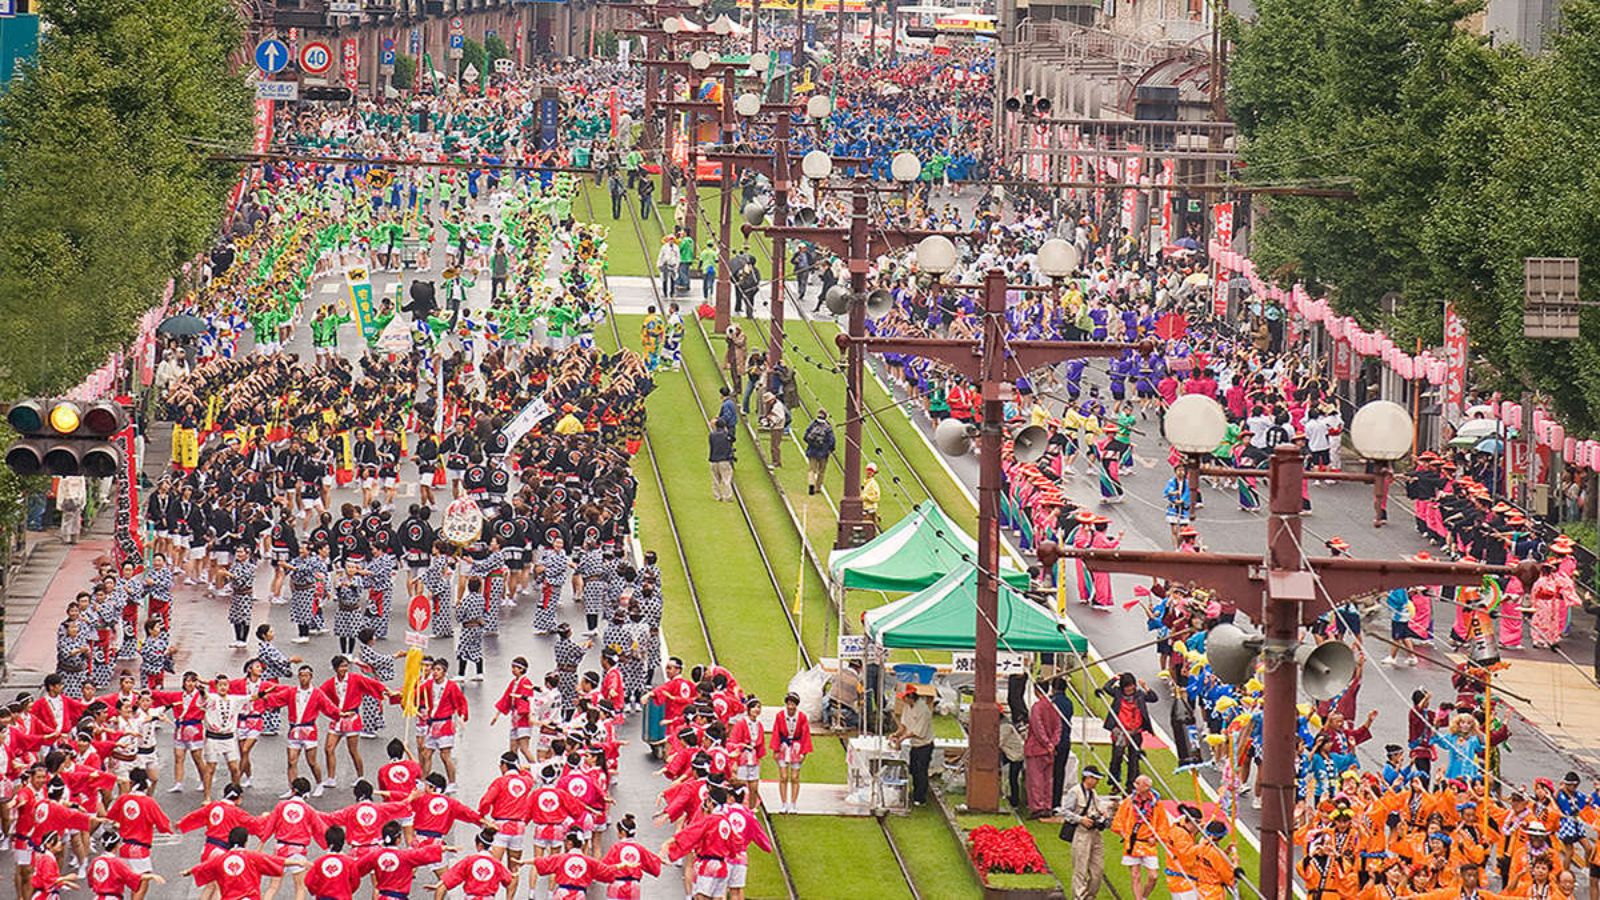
678,545
777,586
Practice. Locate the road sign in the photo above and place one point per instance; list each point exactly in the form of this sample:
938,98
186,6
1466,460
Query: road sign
277,90
316,58
388,43
456,26
416,42
8,7
272,55
457,41
419,615
386,58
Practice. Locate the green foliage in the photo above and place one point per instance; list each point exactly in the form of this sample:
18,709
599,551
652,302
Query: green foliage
605,45
472,54
494,48
1465,159
405,72
106,192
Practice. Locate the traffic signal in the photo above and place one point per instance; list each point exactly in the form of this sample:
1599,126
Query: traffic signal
63,437
333,93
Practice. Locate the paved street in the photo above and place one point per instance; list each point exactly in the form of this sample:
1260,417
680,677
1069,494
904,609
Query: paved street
202,648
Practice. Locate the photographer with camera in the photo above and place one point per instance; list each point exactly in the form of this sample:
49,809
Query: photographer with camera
1083,818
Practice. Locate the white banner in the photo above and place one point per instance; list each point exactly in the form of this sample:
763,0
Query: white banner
535,412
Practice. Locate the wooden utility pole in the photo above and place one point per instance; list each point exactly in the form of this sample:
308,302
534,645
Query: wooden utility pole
994,362
1283,590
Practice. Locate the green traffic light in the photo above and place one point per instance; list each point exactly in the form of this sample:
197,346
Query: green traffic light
26,417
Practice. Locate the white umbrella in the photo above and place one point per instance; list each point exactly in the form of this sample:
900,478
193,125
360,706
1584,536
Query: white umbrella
1480,428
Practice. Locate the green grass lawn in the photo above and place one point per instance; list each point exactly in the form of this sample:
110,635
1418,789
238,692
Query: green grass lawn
625,256
745,619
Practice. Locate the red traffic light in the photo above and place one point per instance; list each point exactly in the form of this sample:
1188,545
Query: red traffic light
104,419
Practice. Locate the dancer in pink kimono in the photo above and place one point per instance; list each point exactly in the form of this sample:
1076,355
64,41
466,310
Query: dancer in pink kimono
1102,578
1553,595
1567,568
1422,597
1082,537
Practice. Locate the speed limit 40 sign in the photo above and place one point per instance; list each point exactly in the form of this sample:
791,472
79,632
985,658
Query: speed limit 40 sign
316,58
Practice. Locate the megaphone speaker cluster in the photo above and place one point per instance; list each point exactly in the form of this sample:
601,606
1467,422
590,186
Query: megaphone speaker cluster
1029,444
805,217
1232,652
837,299
953,438
1325,669
879,302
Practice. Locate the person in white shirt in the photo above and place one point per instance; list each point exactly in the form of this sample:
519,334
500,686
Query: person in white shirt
222,727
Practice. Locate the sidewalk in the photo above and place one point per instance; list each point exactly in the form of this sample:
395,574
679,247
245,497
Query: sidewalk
40,590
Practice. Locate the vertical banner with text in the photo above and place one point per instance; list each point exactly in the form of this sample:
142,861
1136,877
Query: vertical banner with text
1455,359
350,63
1222,224
361,302
1169,171
1131,170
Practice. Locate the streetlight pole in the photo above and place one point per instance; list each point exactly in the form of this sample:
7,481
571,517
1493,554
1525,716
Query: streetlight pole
1283,590
994,362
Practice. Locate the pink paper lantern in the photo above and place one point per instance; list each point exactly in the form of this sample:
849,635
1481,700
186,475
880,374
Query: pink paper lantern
1436,371
1510,413
1558,434
1591,455
1569,451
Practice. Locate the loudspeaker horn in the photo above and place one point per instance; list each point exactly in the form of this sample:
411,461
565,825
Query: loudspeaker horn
805,217
952,438
879,302
837,299
1029,444
755,213
1232,653
1325,669
1041,106
1013,104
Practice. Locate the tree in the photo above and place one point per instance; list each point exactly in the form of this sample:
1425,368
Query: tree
108,186
1465,159
405,72
107,191
494,48
472,54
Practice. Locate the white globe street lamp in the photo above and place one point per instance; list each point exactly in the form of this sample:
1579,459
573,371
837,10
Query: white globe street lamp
1057,258
905,167
936,254
1381,430
816,165
1195,424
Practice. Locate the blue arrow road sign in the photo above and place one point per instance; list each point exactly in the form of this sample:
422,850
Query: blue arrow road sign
457,41
272,55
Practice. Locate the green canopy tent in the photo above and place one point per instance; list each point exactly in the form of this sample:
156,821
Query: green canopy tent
914,553
943,617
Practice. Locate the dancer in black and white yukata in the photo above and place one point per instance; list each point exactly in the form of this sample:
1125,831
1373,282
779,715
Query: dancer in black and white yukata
569,656
590,566
436,582
308,574
241,582
377,665
551,570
